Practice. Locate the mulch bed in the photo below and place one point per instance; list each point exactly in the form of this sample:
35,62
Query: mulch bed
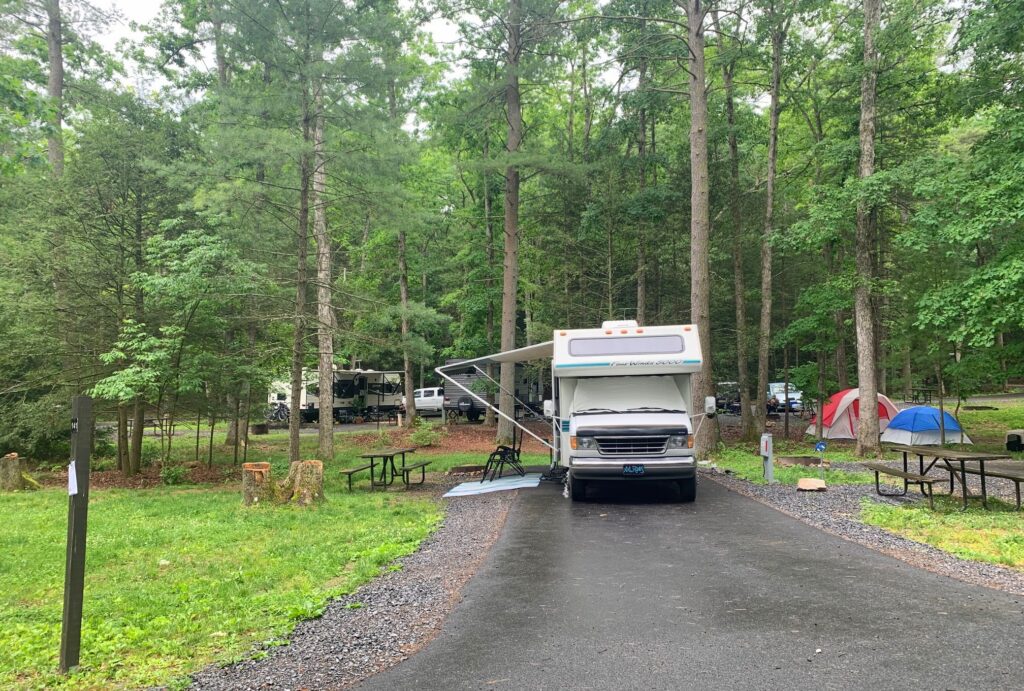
148,478
458,438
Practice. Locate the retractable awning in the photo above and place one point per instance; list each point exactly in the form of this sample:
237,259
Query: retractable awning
540,351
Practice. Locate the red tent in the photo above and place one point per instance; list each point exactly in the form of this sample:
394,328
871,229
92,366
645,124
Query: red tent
841,415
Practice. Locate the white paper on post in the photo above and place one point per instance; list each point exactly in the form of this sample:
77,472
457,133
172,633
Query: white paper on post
72,480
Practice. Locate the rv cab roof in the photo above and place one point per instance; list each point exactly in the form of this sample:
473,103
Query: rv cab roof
621,324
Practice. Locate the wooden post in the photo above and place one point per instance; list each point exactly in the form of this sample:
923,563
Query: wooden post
78,509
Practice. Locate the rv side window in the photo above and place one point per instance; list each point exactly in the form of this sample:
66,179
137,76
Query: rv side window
628,345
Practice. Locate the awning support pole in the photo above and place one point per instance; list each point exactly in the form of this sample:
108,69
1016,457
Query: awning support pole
497,411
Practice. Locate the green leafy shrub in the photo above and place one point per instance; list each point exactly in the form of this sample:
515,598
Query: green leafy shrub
425,433
173,474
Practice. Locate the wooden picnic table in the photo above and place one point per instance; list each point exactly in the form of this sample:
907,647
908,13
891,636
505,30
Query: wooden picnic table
387,457
952,458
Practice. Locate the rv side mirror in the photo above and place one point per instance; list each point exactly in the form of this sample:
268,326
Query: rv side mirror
710,406
549,408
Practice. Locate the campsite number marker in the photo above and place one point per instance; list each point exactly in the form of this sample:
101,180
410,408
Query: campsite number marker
78,508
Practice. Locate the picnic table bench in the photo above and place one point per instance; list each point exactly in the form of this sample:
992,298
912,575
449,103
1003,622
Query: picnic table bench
908,479
388,469
955,463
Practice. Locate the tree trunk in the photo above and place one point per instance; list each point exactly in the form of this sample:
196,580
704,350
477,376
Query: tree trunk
739,283
700,224
304,485
299,318
10,473
819,424
55,86
257,485
489,282
510,282
764,337
867,431
641,227
138,424
324,286
123,463
403,290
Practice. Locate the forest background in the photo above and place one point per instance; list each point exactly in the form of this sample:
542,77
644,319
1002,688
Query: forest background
833,191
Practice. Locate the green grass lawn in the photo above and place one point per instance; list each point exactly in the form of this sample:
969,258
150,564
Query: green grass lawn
177,578
746,463
995,535
987,428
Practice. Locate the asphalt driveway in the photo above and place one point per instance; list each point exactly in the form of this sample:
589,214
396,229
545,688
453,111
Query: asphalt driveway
641,592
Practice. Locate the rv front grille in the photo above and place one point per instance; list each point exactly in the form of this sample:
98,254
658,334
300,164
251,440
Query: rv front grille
631,446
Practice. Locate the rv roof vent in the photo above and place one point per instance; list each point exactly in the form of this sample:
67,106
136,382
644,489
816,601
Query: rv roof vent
622,324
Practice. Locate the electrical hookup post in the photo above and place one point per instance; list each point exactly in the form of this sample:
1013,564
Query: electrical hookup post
78,509
766,458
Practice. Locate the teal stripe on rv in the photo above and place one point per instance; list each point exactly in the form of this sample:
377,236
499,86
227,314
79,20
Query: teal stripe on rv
586,364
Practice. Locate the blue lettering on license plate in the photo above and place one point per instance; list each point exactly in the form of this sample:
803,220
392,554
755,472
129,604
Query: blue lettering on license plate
633,469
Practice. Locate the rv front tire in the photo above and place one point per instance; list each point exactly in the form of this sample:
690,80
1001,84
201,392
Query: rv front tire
688,490
577,489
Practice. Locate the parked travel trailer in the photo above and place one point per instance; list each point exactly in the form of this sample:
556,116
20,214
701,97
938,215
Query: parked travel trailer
354,392
528,391
622,407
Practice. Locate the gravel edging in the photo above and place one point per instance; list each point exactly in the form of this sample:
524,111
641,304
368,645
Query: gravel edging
384,621
837,512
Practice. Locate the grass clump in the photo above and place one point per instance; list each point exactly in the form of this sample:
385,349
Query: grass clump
995,535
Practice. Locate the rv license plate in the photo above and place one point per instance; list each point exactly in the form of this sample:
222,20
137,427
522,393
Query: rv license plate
633,469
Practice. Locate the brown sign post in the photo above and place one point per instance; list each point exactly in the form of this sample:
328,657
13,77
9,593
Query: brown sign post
78,510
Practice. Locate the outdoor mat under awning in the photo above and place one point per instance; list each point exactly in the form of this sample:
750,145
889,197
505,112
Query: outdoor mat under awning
468,489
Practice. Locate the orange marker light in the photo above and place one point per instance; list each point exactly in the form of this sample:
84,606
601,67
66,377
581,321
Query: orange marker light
572,442
639,331
561,333
623,331
608,331
689,442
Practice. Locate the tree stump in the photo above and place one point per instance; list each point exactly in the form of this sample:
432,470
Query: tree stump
257,487
305,483
11,473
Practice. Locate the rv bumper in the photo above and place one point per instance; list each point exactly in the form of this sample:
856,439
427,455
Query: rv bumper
654,468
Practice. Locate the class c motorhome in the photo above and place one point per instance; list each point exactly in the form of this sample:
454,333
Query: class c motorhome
622,405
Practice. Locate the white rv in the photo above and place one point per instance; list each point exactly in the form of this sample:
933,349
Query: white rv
622,406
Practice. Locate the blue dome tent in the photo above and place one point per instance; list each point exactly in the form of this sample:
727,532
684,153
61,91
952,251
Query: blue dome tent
920,425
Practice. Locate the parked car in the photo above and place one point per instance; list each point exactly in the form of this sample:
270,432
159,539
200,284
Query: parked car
777,393
429,401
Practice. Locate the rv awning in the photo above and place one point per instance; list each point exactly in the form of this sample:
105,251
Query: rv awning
534,352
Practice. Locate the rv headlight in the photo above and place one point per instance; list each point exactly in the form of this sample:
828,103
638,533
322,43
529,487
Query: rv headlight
677,442
584,443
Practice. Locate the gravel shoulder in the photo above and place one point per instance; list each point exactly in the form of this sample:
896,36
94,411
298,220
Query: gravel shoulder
384,621
837,511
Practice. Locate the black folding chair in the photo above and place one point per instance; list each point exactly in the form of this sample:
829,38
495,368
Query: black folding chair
506,456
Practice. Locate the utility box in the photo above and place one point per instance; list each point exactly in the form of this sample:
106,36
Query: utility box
1015,440
766,457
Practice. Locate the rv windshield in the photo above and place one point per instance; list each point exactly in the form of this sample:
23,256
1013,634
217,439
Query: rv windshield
651,394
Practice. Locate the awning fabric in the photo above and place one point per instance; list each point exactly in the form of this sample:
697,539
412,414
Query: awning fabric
534,352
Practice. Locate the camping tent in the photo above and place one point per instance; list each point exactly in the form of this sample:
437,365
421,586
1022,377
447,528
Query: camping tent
841,414
920,425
